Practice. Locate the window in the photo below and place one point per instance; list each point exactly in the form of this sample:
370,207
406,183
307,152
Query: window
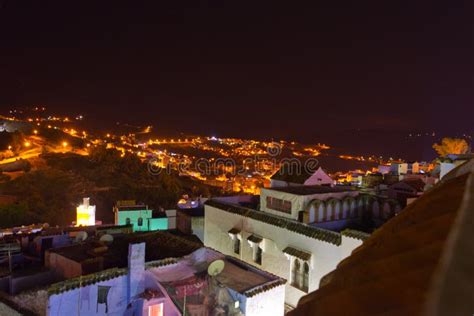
140,221
102,297
258,254
155,310
305,277
236,245
295,272
279,205
127,221
300,275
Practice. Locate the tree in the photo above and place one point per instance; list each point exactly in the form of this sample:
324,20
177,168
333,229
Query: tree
451,146
14,215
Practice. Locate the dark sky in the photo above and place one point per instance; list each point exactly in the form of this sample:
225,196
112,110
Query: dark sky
245,68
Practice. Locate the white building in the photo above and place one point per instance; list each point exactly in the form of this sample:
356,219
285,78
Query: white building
85,214
292,234
403,168
171,287
289,175
399,168
239,288
451,162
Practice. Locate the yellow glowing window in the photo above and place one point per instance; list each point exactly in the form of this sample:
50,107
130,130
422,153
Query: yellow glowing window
155,310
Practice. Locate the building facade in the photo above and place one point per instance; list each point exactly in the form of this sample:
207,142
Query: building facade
171,287
300,253
289,175
299,233
140,216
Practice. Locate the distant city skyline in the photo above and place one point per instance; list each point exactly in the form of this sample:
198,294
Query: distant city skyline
318,73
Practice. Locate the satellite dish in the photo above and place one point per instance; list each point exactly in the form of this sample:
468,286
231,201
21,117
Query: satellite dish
108,239
81,236
215,268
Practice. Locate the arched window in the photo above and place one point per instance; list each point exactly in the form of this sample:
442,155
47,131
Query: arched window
140,221
295,273
305,284
127,221
236,245
300,275
258,255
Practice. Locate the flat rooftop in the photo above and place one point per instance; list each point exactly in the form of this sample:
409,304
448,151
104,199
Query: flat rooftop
132,208
159,245
237,275
310,189
240,278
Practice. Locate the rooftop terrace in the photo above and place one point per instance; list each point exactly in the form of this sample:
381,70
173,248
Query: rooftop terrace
159,245
310,189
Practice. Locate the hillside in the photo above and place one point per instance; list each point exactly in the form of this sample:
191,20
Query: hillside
52,192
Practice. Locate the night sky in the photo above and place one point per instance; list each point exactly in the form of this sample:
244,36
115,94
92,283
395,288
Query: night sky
246,68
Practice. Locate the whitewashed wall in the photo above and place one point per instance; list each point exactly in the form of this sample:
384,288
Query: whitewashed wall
325,256
270,303
298,202
348,244
84,301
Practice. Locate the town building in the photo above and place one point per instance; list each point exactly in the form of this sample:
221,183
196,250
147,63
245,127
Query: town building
401,168
191,221
297,175
406,189
85,214
239,289
419,263
452,161
24,250
190,216
173,286
140,216
94,255
299,233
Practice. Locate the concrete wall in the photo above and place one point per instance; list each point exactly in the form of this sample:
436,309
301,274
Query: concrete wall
270,303
63,266
298,202
171,214
348,244
197,224
183,222
160,223
83,301
121,218
325,256
23,283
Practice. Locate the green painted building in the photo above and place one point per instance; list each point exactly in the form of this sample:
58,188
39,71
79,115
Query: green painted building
142,218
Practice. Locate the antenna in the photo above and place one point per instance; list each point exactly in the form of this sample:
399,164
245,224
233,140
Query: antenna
215,268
